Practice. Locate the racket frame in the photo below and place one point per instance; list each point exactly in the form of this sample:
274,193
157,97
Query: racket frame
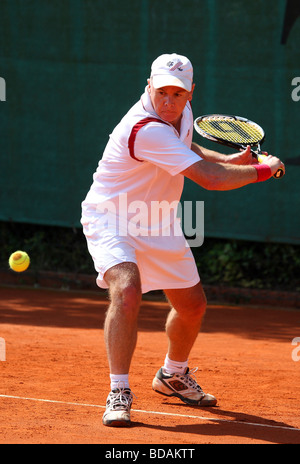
255,146
228,143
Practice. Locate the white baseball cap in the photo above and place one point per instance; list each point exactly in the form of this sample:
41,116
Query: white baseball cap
172,69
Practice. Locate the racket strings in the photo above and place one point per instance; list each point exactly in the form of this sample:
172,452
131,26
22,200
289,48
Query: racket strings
231,130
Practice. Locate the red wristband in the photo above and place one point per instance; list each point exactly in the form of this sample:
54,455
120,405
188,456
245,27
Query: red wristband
263,172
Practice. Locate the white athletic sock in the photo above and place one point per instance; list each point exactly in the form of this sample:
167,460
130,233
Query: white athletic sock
119,381
170,367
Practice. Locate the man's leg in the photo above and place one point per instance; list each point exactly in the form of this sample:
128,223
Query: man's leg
182,328
184,320
120,331
120,328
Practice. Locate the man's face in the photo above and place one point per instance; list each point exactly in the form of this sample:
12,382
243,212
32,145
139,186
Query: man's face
169,102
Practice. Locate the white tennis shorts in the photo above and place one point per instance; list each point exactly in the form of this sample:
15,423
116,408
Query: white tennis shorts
164,262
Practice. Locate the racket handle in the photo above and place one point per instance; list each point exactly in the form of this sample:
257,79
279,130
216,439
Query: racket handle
279,173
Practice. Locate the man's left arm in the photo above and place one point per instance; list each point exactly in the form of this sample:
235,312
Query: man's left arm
242,158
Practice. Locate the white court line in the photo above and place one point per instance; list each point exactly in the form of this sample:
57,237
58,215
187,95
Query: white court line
158,413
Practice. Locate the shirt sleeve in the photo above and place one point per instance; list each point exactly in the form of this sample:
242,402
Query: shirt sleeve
158,144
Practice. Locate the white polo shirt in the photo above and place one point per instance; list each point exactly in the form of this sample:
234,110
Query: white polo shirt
128,213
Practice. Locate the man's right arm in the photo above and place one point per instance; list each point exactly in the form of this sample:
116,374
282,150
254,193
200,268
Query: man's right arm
219,176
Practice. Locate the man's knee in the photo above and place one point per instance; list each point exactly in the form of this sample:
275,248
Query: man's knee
127,294
125,289
196,310
190,304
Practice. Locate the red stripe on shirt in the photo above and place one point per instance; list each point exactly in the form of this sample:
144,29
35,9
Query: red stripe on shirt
134,132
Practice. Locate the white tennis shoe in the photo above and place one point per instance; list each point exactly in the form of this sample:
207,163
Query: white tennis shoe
118,405
183,386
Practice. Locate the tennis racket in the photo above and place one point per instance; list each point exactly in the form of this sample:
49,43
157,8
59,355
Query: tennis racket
235,132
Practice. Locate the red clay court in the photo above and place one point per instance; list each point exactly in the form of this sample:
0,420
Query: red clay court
54,381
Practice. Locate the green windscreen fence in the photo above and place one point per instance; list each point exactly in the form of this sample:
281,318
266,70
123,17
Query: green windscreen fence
70,69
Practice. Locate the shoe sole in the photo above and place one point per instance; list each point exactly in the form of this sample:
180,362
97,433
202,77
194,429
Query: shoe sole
117,423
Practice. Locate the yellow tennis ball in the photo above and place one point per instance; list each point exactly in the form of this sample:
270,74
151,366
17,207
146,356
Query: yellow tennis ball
19,261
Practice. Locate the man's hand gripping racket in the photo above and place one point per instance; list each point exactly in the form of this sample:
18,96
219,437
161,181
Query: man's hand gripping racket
235,132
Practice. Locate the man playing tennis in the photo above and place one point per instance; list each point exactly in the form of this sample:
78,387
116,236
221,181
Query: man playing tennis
145,161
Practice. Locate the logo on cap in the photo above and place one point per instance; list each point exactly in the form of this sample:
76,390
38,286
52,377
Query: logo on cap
173,66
